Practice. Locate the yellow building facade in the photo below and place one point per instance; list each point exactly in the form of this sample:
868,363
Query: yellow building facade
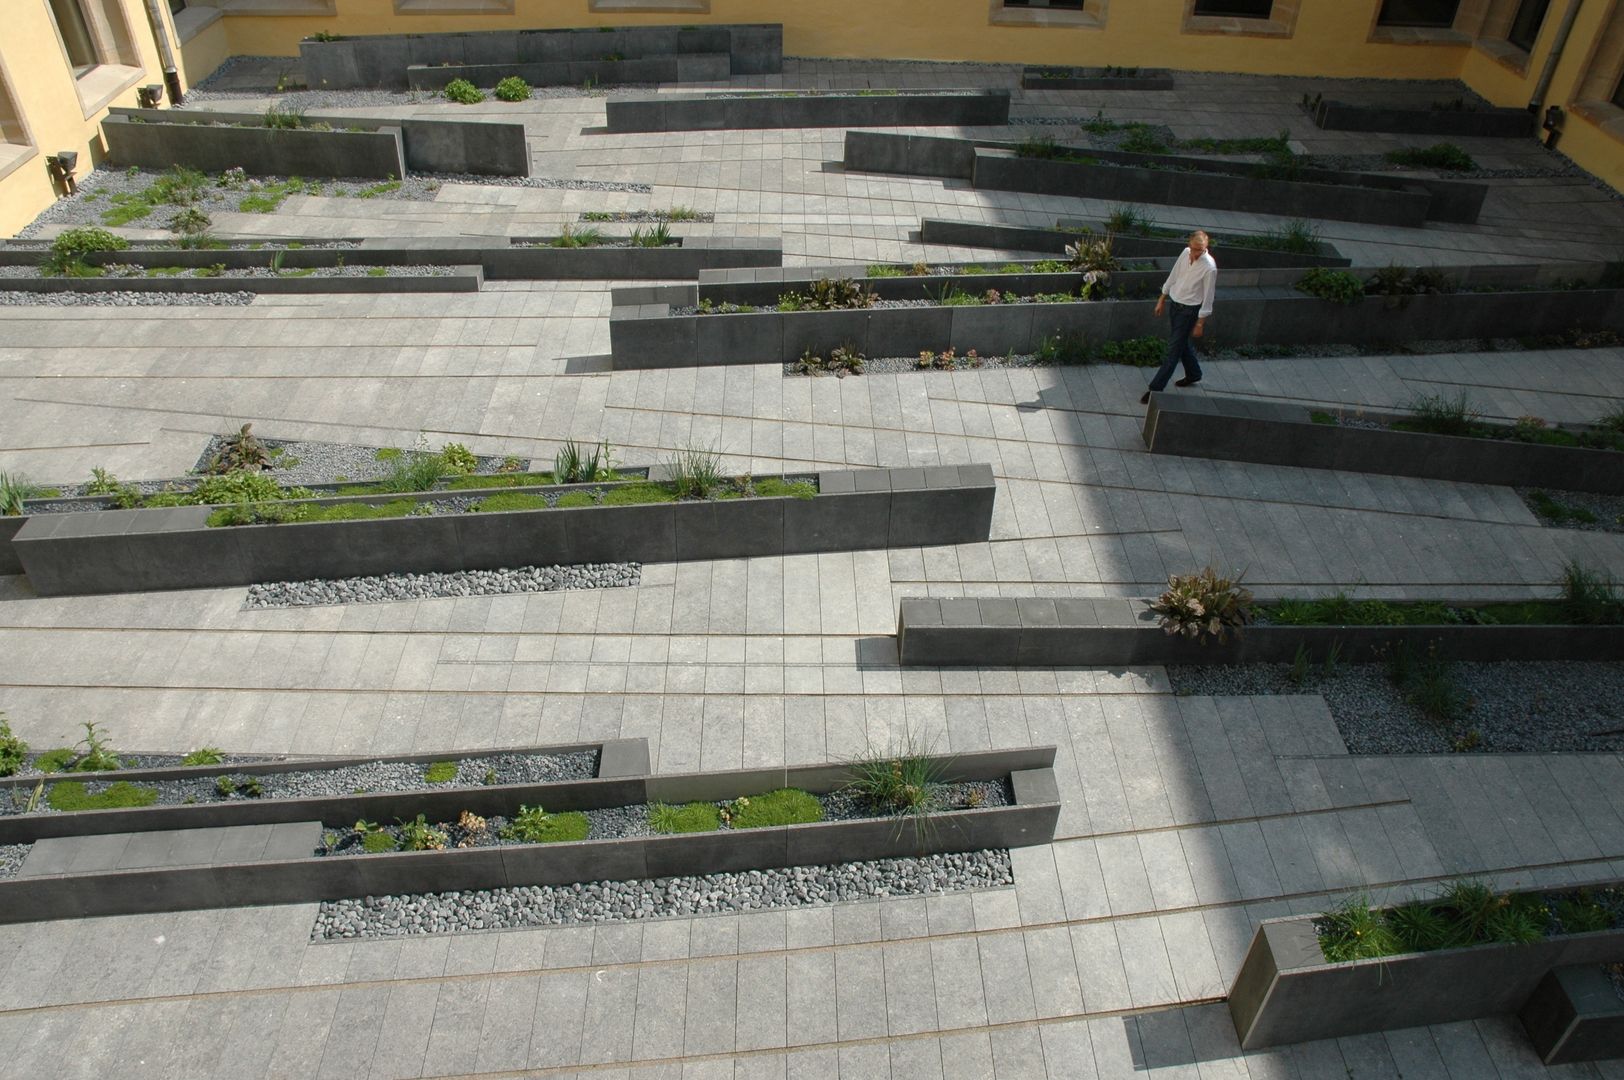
64,62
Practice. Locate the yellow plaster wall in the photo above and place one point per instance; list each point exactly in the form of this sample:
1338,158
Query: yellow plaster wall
207,50
42,83
1331,38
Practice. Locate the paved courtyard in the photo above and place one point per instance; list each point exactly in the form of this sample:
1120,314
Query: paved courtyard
1187,819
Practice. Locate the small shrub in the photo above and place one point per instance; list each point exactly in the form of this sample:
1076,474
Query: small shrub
512,88
1355,931
787,806
70,247
1139,352
1441,415
1335,286
572,237
440,772
419,835
907,781
462,92
1297,235
1445,156
69,795
578,464
657,236
241,451
225,786
457,460
204,755
532,825
691,817
1203,606
92,754
13,750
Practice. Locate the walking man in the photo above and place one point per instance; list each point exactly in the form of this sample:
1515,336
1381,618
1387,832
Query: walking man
1189,287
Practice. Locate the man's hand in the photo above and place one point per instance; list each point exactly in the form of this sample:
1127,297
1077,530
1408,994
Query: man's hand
1200,325
1161,304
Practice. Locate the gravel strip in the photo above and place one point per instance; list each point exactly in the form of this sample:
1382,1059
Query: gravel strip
1608,510
11,859
374,776
651,898
304,462
1514,706
135,270
642,216
318,592
125,299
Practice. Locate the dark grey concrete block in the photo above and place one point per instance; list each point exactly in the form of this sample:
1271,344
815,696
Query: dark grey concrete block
1575,1014
158,144
620,533
729,530
855,522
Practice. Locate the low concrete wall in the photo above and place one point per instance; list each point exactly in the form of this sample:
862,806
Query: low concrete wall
9,563
909,155
1117,632
466,280
673,68
1258,305
1286,992
1096,78
623,763
1574,1014
825,108
260,150
1029,821
382,60
1235,429
110,551
1054,241
452,146
1476,123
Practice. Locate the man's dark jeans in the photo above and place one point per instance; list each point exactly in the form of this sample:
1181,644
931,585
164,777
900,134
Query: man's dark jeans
1181,318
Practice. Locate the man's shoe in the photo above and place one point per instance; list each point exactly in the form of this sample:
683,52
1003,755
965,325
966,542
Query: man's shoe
1187,382
1146,399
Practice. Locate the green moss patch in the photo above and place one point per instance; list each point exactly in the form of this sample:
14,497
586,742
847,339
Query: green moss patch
549,828
691,817
441,772
787,806
471,483
775,488
509,501
637,494
72,795
376,843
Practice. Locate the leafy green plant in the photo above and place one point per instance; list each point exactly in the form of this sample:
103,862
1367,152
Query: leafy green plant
70,247
70,795
417,470
243,487
225,786
1590,597
1142,139
14,491
532,825
1203,606
696,472
906,780
55,760
1297,235
572,237
240,451
884,270
787,806
578,464
13,750
91,754
419,835
691,817
378,841
279,118
836,294
1354,930
462,92
457,460
1434,690
1335,286
204,755
1445,156
440,772
1128,218
1063,348
1041,147
658,236
1138,352
512,88
1443,415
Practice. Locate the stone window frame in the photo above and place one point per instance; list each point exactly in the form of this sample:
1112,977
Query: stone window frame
1091,17
17,144
453,7
1491,39
1281,23
118,58
632,7
269,7
1463,31
1603,70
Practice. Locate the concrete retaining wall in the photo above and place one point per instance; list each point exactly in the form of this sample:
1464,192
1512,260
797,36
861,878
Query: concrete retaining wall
1478,123
260,150
1234,429
623,763
467,279
1096,78
110,551
958,108
451,146
1286,992
1054,241
1031,820
673,68
382,60
1041,632
1575,1014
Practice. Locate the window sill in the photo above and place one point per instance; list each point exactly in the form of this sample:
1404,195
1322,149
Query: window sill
453,7
1053,18
1235,26
193,21
1417,35
101,84
277,7
1503,53
695,7
1604,114
13,156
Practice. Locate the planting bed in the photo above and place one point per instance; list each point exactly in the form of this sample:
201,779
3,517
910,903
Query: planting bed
383,588
1561,509
666,897
1096,78
1288,992
1237,429
1484,122
607,68
1235,251
809,108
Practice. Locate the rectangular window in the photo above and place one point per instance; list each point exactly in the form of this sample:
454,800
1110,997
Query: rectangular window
1235,9
75,31
177,6
1074,5
1435,13
1525,27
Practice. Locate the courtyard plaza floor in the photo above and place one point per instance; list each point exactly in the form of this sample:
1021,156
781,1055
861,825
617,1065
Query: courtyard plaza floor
1186,819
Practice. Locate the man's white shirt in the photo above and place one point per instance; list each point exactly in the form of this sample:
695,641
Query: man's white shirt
1193,283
